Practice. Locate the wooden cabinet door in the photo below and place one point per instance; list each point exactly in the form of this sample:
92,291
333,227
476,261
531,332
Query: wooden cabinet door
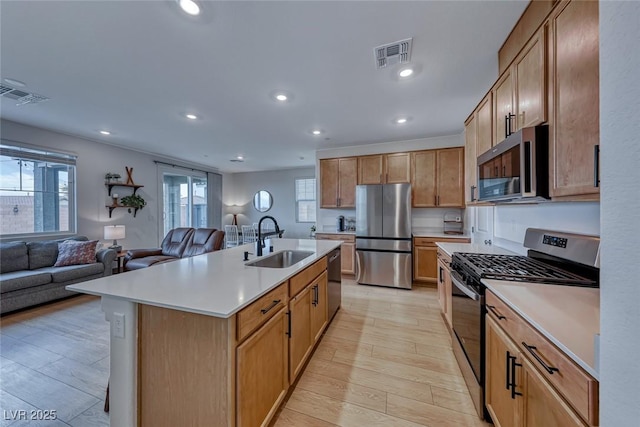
423,179
319,307
442,288
397,168
470,160
503,106
347,183
450,178
329,176
543,406
425,263
347,258
371,169
447,296
484,130
502,405
300,339
262,372
531,91
574,128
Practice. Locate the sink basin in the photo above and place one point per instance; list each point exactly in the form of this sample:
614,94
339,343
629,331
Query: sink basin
282,259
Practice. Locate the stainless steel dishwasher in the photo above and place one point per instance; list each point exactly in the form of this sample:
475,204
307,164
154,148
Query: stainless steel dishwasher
334,274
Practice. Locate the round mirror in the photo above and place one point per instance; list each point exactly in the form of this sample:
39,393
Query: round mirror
262,201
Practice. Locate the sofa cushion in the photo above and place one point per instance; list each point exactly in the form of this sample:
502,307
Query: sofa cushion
23,279
42,254
72,252
176,241
73,272
13,257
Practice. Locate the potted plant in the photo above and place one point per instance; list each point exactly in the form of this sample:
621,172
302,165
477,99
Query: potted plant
313,231
133,201
110,176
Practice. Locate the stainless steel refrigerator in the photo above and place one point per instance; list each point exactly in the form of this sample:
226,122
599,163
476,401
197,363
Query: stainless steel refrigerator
383,235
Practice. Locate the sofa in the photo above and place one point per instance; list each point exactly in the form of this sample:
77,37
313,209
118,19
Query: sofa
28,276
178,243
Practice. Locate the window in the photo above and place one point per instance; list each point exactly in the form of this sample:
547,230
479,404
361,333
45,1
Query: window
37,191
306,200
184,199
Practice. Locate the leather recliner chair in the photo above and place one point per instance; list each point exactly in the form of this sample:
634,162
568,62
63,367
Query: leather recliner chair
178,243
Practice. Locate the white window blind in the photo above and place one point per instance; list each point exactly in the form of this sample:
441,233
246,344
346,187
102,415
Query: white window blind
306,200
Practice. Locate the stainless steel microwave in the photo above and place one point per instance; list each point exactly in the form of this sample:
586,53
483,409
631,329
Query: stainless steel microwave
516,168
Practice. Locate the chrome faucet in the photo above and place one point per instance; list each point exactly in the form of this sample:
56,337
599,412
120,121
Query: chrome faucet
261,236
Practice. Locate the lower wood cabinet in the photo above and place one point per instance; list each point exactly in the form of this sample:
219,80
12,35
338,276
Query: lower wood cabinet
425,257
319,307
348,250
529,382
444,286
300,339
262,372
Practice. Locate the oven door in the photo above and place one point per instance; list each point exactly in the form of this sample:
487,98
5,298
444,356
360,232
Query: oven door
467,321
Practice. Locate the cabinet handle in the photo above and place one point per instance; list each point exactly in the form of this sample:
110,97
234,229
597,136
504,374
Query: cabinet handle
530,349
435,200
473,193
273,304
506,125
507,371
438,200
493,310
504,170
315,296
596,165
288,313
512,384
440,273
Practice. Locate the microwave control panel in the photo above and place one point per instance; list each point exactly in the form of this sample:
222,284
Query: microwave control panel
554,241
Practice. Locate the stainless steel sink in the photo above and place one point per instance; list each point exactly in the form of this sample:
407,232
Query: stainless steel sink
282,259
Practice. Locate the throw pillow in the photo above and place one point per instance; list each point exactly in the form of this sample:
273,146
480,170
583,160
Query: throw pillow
72,252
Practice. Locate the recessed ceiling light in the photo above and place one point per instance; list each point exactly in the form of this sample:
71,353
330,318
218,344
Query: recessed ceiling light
405,72
401,121
239,157
281,96
190,7
316,132
15,82
105,132
191,116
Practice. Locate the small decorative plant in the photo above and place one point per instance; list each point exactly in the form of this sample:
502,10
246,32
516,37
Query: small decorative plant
313,230
133,201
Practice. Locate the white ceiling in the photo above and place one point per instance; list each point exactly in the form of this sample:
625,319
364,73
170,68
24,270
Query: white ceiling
134,67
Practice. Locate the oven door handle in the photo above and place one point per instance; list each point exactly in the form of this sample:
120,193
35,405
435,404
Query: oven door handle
463,288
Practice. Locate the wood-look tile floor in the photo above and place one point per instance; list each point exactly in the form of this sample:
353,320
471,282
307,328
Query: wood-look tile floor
385,360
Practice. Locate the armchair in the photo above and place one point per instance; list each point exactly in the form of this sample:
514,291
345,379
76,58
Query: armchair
172,248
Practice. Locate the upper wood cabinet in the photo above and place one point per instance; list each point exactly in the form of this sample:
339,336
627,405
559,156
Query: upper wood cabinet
520,94
384,169
484,129
470,159
338,182
574,130
437,178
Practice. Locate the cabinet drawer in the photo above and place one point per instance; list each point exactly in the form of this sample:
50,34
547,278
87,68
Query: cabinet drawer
431,241
444,257
344,237
575,385
424,241
302,279
261,310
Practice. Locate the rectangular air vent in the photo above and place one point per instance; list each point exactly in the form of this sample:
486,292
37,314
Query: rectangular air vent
393,53
21,97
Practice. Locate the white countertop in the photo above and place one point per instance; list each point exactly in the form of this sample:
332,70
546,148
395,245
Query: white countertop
215,284
475,248
437,232
569,316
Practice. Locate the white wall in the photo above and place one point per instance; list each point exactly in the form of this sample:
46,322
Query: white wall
511,221
94,160
620,266
239,189
420,217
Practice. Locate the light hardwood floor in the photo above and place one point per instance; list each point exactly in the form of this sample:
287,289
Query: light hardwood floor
385,360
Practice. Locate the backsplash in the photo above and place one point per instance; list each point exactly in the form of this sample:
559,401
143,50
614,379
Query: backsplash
420,217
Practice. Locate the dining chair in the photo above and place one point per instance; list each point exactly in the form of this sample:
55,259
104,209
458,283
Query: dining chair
231,236
248,234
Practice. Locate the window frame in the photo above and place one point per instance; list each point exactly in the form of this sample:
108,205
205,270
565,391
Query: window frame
296,200
31,153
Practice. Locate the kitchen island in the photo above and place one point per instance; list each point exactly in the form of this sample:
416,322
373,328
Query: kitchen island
209,340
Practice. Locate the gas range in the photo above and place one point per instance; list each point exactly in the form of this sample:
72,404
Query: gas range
521,269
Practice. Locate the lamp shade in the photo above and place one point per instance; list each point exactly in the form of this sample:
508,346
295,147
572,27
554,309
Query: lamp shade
235,209
114,232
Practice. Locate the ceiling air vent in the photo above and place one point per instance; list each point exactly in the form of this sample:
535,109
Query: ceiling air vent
21,97
393,53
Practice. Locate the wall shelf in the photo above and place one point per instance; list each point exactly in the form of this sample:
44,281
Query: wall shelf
110,185
112,207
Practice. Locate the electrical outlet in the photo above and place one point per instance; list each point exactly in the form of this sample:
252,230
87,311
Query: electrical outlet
118,325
